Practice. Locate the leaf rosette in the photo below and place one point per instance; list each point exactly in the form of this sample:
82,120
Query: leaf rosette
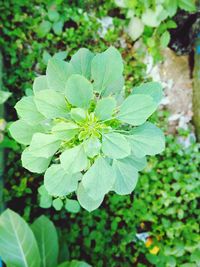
80,131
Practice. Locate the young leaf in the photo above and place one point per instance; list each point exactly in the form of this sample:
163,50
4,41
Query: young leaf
44,145
57,27
51,104
18,246
72,206
126,177
86,201
81,61
45,198
153,89
22,132
47,239
79,91
44,28
92,147
104,108
98,180
58,182
165,39
78,114
65,130
58,72
103,71
74,160
146,139
187,5
40,83
135,28
33,163
27,110
57,204
115,146
136,109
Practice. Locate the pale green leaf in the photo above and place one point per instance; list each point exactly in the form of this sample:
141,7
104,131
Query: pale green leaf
137,163
135,28
44,145
57,27
165,39
81,62
146,139
40,83
106,68
23,132
153,89
86,201
58,72
104,108
136,109
43,28
78,114
58,182
47,239
187,5
53,15
74,160
72,206
74,263
51,104
65,130
27,110
79,91
98,180
4,96
18,246
114,88
45,198
153,18
115,146
33,163
92,147
57,204
126,177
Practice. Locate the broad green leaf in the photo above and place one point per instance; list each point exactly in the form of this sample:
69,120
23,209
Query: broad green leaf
106,68
126,177
23,132
74,263
187,5
146,139
135,28
47,239
136,109
57,204
79,91
78,114
27,110
4,96
51,104
58,182
65,130
137,163
40,83
105,107
34,163
98,180
58,72
171,7
114,88
18,246
153,89
44,145
92,147
72,205
86,201
81,62
115,146
74,160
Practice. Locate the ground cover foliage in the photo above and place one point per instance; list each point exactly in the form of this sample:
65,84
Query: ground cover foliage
164,203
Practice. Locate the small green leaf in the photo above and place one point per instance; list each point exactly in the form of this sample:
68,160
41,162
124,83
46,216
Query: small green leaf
79,91
74,160
44,145
187,5
45,198
58,182
86,201
40,83
58,72
115,146
92,147
27,110
104,108
104,73
72,206
165,39
61,55
51,104
81,62
34,163
65,130
146,139
126,177
136,109
78,114
57,204
53,15
58,27
4,96
44,28
135,28
98,180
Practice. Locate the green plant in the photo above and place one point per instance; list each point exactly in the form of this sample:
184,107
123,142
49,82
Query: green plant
25,246
77,116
